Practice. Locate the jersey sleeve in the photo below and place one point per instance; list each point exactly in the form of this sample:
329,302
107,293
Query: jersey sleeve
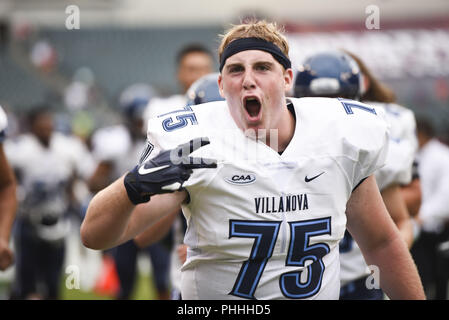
403,146
157,139
410,131
398,165
168,130
367,135
158,106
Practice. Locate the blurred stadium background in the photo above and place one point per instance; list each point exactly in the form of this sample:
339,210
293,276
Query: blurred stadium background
81,72
125,41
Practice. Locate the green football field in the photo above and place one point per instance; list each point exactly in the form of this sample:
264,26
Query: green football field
144,290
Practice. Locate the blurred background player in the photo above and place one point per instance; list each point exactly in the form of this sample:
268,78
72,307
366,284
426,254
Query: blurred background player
8,199
192,62
336,74
203,90
46,163
430,250
403,127
114,160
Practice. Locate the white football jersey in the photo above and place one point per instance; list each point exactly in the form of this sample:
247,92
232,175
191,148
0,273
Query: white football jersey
264,225
403,145
398,169
45,172
114,144
162,105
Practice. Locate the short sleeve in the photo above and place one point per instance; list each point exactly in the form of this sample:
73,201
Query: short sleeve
370,140
398,165
402,148
371,160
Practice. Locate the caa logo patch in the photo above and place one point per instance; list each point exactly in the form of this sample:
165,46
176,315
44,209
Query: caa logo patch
241,178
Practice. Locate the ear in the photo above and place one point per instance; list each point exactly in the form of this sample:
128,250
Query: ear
288,79
220,85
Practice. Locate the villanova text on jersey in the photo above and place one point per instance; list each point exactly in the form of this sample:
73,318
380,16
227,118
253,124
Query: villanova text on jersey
287,203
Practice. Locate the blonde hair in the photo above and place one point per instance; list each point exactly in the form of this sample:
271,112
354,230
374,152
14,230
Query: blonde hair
262,29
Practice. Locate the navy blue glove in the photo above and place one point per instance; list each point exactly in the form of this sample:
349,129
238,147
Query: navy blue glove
166,172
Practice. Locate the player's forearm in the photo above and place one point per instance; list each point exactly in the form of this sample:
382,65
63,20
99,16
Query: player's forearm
398,274
397,209
107,217
112,218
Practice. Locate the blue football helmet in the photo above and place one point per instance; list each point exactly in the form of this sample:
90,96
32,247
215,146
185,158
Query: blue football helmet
134,99
203,90
329,74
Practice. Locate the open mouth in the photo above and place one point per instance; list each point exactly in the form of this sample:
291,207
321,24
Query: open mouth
252,106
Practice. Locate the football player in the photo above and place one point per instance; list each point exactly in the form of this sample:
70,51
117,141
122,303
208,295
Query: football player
265,218
192,62
430,250
204,90
336,74
46,162
403,127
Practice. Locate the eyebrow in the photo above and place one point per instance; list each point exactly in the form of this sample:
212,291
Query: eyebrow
260,62
235,64
270,63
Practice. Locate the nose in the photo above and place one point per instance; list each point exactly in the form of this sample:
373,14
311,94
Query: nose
248,80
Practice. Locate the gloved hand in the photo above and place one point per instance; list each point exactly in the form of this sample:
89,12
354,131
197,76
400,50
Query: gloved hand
166,172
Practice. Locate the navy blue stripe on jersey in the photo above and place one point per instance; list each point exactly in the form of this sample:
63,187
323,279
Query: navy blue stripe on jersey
359,184
290,108
149,147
